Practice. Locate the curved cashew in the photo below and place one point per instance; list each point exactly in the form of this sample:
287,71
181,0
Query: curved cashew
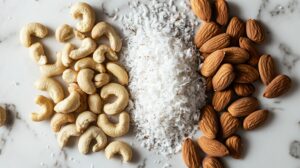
78,34
121,101
119,72
84,80
65,133
102,51
88,46
70,103
69,76
84,119
119,147
35,29
64,33
60,119
52,86
101,79
89,63
55,69
85,14
65,59
37,53
114,130
103,28
83,98
86,138
95,103
2,116
46,109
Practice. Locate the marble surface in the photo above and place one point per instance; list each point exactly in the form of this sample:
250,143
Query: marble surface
26,144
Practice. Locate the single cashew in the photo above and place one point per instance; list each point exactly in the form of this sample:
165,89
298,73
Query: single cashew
114,130
69,76
92,133
46,109
102,51
83,98
66,60
85,14
65,133
60,119
52,86
95,103
78,34
84,80
103,28
55,69
119,72
89,63
2,116
70,103
64,33
88,46
37,53
32,29
84,119
119,147
121,101
101,79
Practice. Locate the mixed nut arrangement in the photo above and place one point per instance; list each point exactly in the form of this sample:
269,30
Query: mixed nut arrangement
231,64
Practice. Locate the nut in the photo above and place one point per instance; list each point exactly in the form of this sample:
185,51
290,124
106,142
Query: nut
85,119
212,147
89,63
37,53
114,130
255,31
221,99
247,44
246,74
55,69
212,63
52,86
278,86
70,103
229,124
101,79
65,133
236,29
32,29
190,154
88,46
223,78
208,123
243,106
119,147
64,33
46,109
244,89
60,119
102,51
218,42
235,55
234,145
86,138
201,9
85,14
65,59
255,119
211,162
206,31
118,71
69,76
84,80
222,12
95,103
2,116
266,69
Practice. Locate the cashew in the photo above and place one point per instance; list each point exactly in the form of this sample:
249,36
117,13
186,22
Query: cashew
119,147
78,34
85,14
2,116
70,103
69,76
101,79
88,46
32,29
114,130
121,101
95,103
89,63
83,98
52,86
84,80
64,33
86,138
60,119
65,133
55,69
84,119
119,72
102,51
46,109
37,53
66,60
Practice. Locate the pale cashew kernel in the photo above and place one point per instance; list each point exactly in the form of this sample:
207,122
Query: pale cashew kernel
37,53
55,69
2,116
69,76
85,14
88,46
89,63
70,103
95,103
52,86
64,33
78,34
114,130
102,51
101,79
84,80
65,133
121,101
60,119
119,72
92,133
83,98
46,109
119,147
32,29
66,60
84,119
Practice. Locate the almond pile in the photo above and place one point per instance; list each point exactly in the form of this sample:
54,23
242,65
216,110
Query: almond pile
231,64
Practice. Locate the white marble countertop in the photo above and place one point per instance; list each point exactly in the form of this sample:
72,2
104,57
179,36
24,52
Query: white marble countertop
26,144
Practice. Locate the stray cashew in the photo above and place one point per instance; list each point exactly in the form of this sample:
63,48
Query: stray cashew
66,60
70,103
121,101
64,33
32,29
65,133
101,79
119,72
103,28
86,138
119,147
46,109
84,119
88,46
95,103
37,53
114,130
78,34
84,80
89,63
2,116
52,86
102,51
69,76
60,119
85,14
55,69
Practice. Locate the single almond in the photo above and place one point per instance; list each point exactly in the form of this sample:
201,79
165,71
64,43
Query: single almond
208,122
212,63
243,106
229,124
223,78
234,145
211,162
236,29
235,55
278,86
246,74
206,31
218,42
255,119
266,69
222,12
201,9
247,44
255,31
221,99
205,55
209,86
212,147
244,89
190,154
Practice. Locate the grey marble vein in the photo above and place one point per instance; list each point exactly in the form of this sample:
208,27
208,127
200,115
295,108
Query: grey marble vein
262,7
295,149
289,59
290,7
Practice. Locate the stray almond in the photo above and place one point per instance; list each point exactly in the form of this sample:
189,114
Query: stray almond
244,89
206,31
218,42
223,78
190,155
246,74
236,29
235,55
201,9
212,147
255,31
211,162
221,99
266,69
247,44
255,119
212,63
208,123
229,124
278,86
222,13
234,145
243,106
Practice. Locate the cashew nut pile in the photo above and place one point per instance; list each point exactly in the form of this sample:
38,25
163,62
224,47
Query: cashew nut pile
94,89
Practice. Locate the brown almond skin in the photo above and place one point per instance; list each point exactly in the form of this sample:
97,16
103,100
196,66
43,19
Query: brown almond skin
190,154
246,74
255,119
235,55
234,145
206,31
243,106
223,78
222,12
211,162
208,122
278,86
221,99
201,9
266,69
212,147
247,44
212,63
218,42
243,89
255,31
236,29
229,124
209,86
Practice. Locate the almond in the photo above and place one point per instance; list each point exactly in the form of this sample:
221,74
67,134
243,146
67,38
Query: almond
190,154
266,69
223,78
246,74
278,86
212,147
211,162
247,44
236,29
234,145
255,31
221,99
243,106
205,55
212,63
222,13
244,89
208,123
229,124
218,42
255,119
209,86
206,32
235,55
201,9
